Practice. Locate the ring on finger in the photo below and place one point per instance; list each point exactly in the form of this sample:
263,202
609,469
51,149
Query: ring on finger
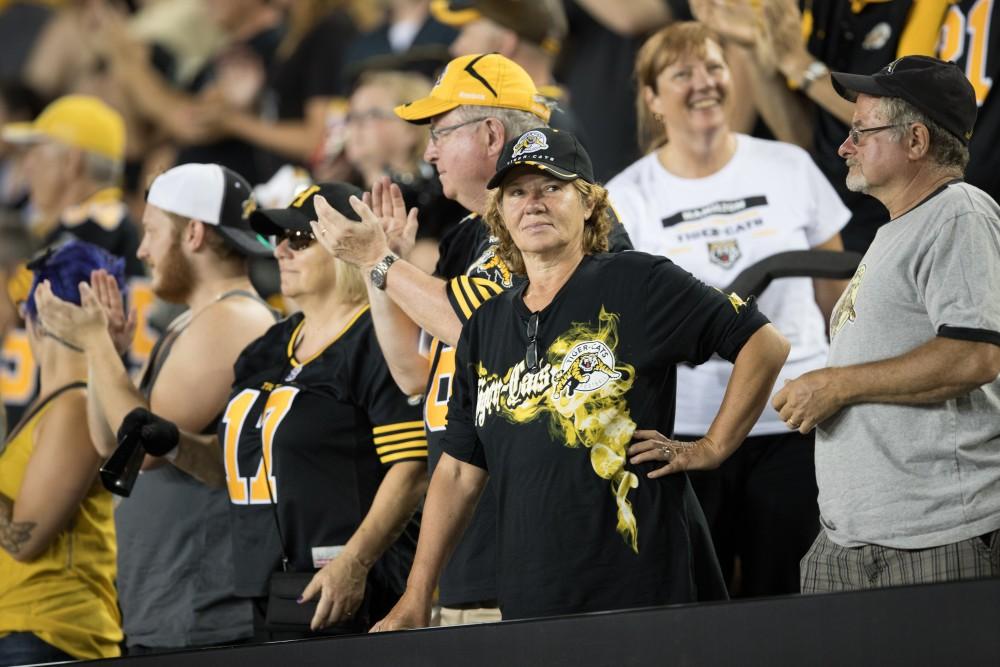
667,451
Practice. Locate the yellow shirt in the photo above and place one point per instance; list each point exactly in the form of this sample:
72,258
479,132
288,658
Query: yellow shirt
67,595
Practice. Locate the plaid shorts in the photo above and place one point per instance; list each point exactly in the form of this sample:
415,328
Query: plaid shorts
829,567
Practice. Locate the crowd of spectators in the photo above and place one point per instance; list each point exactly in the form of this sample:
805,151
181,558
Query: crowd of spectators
191,166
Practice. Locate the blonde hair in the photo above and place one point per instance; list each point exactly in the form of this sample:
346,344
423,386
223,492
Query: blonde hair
348,283
663,48
596,228
404,87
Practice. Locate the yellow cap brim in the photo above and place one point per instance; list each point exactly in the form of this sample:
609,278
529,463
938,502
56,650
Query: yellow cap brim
442,12
421,111
21,133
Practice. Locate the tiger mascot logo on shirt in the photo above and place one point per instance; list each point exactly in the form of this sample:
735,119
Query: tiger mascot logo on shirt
492,267
844,311
587,367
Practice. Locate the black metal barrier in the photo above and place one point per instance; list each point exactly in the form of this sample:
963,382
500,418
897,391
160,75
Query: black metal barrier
940,624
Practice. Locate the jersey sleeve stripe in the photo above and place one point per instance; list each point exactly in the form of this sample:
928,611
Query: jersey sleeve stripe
487,288
459,299
400,437
409,444
470,294
398,426
415,455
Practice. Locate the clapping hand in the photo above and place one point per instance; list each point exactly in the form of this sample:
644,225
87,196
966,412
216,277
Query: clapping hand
362,243
121,327
400,225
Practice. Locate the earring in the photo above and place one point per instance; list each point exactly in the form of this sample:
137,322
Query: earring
658,117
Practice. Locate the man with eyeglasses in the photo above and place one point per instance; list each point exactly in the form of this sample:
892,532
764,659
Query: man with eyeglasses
908,410
479,102
175,560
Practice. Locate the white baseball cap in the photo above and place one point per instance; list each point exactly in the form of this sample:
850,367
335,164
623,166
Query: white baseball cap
216,196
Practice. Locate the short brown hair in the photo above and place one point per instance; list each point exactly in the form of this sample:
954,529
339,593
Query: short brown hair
219,247
663,48
596,228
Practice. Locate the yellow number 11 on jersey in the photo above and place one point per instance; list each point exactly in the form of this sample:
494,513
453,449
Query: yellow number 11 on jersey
244,491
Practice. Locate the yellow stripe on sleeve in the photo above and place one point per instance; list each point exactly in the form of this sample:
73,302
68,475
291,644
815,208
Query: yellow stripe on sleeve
460,299
400,437
410,444
398,426
470,293
487,288
412,454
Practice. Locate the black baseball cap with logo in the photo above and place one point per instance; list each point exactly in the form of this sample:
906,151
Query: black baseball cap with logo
935,87
557,153
302,210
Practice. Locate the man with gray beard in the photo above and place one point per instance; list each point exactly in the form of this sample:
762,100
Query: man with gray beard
908,410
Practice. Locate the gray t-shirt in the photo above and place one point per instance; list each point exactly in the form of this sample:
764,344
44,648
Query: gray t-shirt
175,564
917,476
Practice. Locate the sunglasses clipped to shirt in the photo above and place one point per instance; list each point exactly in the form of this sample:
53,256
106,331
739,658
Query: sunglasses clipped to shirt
531,354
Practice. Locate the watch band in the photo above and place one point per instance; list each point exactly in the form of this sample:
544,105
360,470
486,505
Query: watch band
380,271
816,70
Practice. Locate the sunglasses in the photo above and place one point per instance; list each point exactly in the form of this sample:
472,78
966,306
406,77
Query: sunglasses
531,354
297,239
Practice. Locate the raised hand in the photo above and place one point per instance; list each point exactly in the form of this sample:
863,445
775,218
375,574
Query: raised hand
77,325
400,225
121,327
362,243
735,21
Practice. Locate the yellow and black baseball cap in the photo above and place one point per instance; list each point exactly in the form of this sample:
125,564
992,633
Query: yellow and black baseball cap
556,153
542,22
80,121
297,215
480,79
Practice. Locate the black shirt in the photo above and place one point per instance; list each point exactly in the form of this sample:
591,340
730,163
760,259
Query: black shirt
858,42
596,67
332,426
244,158
469,259
581,529
104,221
313,68
977,52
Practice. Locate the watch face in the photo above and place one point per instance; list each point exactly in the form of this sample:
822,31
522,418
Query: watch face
378,276
379,271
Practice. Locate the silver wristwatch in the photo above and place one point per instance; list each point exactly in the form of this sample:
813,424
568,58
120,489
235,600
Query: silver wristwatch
379,272
816,70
